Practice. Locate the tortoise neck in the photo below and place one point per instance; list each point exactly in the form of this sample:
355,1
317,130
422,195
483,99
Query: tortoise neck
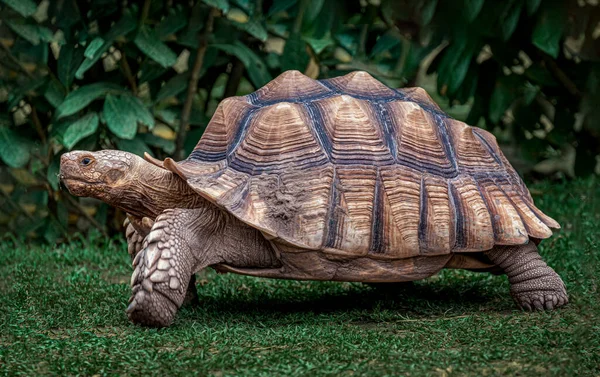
154,190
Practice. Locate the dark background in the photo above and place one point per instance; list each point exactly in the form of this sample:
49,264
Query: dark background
147,76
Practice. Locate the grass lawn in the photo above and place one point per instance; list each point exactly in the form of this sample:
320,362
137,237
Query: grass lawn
63,313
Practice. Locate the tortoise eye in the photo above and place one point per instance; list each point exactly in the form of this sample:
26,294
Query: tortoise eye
86,161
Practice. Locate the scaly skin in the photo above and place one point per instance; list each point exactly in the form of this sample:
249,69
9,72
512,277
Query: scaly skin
533,285
181,242
135,243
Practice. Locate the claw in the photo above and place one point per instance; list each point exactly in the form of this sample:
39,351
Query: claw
131,306
136,260
147,285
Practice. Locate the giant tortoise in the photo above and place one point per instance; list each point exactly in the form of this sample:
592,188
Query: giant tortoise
340,179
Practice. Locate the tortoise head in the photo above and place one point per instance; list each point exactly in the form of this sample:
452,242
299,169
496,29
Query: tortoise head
103,175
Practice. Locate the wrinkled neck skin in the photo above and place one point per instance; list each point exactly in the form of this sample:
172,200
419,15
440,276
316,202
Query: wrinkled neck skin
153,190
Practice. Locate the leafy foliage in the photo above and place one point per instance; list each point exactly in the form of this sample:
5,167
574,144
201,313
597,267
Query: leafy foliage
115,74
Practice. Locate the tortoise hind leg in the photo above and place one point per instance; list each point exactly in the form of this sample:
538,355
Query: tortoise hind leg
533,284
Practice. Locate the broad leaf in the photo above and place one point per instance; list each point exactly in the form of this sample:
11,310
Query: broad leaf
173,87
385,43
472,8
280,6
25,8
54,93
532,6
175,21
503,95
166,145
139,110
318,45
125,25
26,31
149,43
89,62
80,129
219,4
427,12
254,28
257,70
294,54
119,117
14,150
136,146
93,47
549,29
83,96
510,18
69,60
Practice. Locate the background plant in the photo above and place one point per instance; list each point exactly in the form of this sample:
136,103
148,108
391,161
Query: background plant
147,75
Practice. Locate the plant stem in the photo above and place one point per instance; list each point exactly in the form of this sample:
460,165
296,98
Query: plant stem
193,83
127,72
299,17
237,71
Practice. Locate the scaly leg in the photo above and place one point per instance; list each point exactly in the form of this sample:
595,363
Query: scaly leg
181,242
135,243
533,284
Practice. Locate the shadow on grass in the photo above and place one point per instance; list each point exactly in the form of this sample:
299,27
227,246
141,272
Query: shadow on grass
351,301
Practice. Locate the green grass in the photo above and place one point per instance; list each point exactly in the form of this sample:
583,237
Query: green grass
63,313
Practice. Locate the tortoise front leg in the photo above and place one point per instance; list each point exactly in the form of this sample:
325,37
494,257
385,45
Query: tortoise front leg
135,242
181,242
533,284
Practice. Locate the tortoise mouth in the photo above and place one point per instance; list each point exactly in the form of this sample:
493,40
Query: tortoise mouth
77,186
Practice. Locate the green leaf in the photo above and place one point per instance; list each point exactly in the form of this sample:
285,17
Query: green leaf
252,27
385,43
312,10
294,54
52,173
125,25
280,6
80,129
83,96
427,12
166,145
472,8
24,7
510,18
219,4
257,69
139,110
147,41
136,146
89,62
68,62
173,87
505,92
171,24
14,150
549,29
93,47
454,65
120,118
26,31
54,93
318,45
532,6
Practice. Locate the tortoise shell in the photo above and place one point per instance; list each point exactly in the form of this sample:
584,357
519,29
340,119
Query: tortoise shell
351,167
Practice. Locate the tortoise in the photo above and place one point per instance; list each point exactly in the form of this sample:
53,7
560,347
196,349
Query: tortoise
341,179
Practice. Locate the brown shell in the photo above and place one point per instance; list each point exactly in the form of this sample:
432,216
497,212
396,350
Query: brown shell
351,167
